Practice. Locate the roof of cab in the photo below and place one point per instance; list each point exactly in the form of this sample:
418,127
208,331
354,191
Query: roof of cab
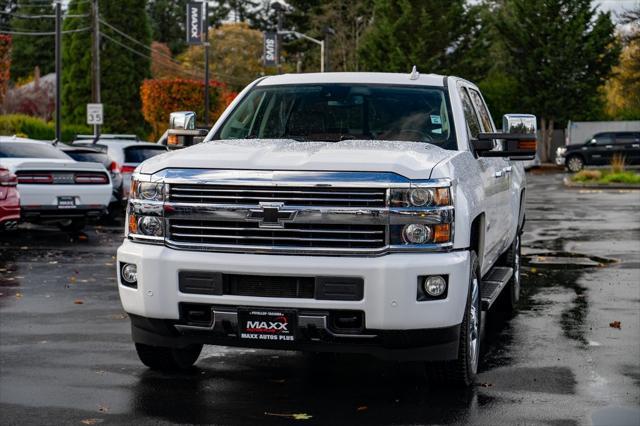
354,78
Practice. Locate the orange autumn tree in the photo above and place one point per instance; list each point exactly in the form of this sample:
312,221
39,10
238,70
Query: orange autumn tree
161,97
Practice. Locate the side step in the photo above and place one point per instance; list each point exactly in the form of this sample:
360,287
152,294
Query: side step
492,285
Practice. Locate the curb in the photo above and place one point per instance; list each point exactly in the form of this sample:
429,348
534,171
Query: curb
579,185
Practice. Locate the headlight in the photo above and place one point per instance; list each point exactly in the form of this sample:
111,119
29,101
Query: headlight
420,197
417,233
147,191
145,212
561,151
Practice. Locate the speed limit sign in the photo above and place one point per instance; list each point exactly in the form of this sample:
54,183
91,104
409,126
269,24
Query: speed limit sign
94,114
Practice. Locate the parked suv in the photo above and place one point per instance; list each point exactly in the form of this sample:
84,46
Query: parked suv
126,152
600,150
343,212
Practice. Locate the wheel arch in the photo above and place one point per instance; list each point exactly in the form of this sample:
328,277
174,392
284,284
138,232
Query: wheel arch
476,237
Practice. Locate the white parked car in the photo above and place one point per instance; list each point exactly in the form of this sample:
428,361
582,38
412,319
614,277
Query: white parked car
343,212
53,187
127,152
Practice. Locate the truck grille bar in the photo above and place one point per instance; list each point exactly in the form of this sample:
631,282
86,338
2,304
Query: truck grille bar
291,235
299,196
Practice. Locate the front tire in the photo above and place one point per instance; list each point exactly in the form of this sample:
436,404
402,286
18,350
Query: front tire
575,163
168,359
462,371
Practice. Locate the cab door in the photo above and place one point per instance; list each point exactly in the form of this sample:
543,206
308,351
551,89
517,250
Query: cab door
495,180
629,145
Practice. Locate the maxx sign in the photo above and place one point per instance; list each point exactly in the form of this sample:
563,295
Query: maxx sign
194,23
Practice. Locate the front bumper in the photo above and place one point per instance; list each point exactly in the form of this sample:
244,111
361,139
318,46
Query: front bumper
389,300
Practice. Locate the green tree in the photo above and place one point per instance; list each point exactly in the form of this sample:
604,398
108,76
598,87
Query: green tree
406,33
125,63
168,20
30,51
560,53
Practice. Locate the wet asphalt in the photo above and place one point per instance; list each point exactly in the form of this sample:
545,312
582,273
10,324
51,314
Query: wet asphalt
66,355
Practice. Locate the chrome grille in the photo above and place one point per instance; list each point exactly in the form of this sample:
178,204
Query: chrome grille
300,235
292,196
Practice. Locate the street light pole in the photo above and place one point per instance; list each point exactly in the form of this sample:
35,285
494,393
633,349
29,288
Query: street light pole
58,64
314,40
206,64
95,63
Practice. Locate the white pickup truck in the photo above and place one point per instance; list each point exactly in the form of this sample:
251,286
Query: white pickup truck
342,212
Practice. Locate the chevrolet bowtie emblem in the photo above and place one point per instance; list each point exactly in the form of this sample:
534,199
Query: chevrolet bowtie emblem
271,215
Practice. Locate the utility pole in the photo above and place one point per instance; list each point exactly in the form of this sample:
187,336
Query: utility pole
95,63
205,26
328,31
58,52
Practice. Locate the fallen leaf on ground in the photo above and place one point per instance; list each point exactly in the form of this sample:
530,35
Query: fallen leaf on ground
103,408
615,324
78,302
486,385
295,416
53,262
18,295
362,408
72,279
82,237
91,421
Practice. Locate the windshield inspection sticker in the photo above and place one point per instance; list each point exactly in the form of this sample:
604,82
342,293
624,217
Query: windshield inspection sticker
435,119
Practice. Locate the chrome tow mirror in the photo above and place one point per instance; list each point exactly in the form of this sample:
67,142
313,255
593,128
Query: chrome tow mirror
182,120
518,138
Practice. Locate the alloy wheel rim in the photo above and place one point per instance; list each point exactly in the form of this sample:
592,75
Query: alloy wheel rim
474,326
575,164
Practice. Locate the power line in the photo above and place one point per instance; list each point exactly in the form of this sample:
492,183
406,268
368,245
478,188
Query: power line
48,33
16,15
176,66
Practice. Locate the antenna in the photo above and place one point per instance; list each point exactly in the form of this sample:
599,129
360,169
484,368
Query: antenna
414,74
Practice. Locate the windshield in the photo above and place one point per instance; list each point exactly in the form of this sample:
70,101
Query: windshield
137,154
335,112
30,150
90,157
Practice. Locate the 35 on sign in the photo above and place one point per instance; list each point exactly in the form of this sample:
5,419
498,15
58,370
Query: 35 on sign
94,114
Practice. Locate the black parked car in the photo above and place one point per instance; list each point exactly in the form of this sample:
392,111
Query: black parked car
600,150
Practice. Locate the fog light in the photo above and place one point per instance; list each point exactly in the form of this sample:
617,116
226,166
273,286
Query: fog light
150,225
130,273
416,234
434,285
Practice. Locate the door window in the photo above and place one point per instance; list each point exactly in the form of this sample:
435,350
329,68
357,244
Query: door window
603,139
469,114
625,138
483,112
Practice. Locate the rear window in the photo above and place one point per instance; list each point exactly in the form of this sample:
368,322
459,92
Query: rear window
30,150
137,154
90,157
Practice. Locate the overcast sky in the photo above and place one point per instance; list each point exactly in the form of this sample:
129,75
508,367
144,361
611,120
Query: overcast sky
617,6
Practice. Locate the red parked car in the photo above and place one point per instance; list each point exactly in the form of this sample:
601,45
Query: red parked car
9,201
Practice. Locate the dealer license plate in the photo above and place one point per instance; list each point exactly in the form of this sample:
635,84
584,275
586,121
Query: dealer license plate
66,202
267,325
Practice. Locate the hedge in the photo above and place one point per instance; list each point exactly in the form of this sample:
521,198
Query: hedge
36,128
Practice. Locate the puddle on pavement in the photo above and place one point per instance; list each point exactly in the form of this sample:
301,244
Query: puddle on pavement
565,260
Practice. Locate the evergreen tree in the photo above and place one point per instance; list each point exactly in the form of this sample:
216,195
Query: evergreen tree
168,20
30,51
560,52
125,63
406,33
7,9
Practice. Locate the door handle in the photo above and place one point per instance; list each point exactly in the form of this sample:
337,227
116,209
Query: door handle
635,145
609,146
499,174
507,169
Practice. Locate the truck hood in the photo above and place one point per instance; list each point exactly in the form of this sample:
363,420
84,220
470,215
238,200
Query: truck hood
413,160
